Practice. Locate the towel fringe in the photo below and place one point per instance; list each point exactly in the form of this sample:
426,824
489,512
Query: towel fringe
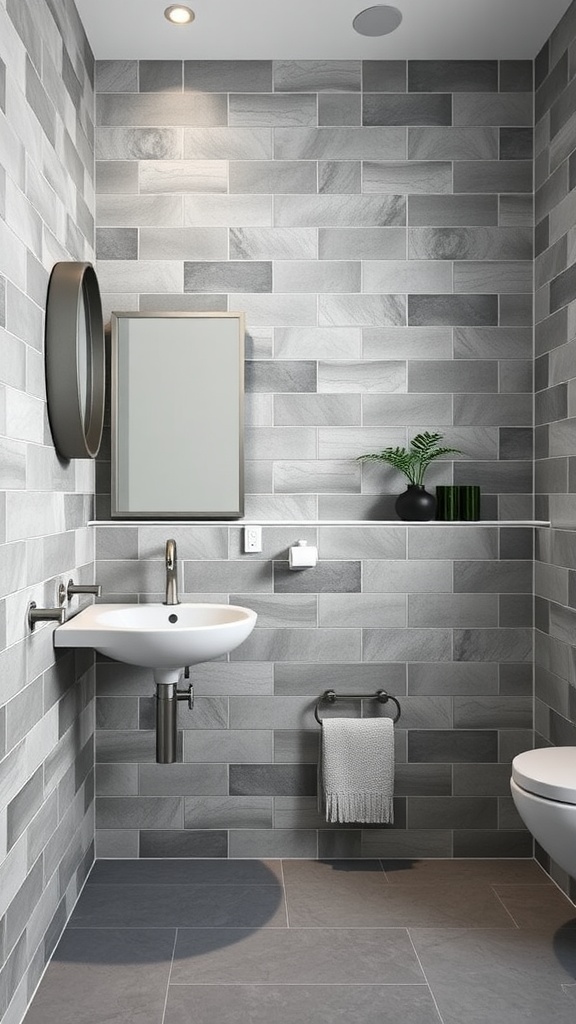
370,808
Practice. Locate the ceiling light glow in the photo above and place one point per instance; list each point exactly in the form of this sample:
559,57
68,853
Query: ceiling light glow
179,15
377,21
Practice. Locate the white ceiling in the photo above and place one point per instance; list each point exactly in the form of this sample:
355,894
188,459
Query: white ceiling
318,29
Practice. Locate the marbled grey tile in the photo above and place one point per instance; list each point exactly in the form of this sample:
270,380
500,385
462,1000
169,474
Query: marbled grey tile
453,143
516,76
328,577
181,176
452,610
116,176
281,609
139,211
272,110
320,276
117,780
300,645
493,109
491,712
284,376
414,577
493,644
339,143
272,843
190,843
313,679
228,276
316,410
493,176
23,807
458,376
227,812
360,377
339,109
404,276
116,243
452,746
456,678
462,812
496,277
509,577
407,644
461,310
452,211
227,143
398,109
406,342
272,780
224,746
131,747
475,243
160,75
362,610
339,177
317,76
401,409
384,75
359,310
139,812
255,243
227,211
452,76
283,176
502,410
516,210
157,243
453,542
408,177
228,75
116,76
516,144
168,109
330,477
341,211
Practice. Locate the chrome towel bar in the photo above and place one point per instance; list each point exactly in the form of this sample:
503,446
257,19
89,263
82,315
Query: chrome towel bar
330,697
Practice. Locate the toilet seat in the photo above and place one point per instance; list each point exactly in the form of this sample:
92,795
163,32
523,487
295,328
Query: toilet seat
548,772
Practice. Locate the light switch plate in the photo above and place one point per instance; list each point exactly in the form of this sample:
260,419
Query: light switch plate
252,539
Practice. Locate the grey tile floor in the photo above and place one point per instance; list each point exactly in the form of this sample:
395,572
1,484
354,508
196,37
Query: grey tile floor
314,942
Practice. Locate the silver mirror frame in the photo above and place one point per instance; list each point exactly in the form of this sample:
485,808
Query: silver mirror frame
75,405
117,511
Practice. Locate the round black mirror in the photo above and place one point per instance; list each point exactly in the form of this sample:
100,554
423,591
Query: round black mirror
75,362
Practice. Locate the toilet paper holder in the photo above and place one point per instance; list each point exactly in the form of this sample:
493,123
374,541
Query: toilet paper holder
302,555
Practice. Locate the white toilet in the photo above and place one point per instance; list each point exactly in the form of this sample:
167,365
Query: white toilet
543,788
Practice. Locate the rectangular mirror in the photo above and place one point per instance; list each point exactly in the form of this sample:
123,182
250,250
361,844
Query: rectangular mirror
177,415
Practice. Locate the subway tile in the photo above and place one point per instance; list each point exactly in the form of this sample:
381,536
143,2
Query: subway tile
273,110
516,144
493,109
228,75
509,577
477,243
316,477
282,609
384,75
328,577
253,243
322,276
453,143
332,76
221,747
191,843
339,109
446,310
117,243
406,342
139,812
227,276
157,243
128,144
360,377
493,176
359,310
228,211
339,177
494,277
285,176
452,610
407,178
181,176
362,610
227,812
400,409
421,276
116,76
369,541
300,645
362,243
398,109
160,76
492,712
316,410
227,144
272,843
456,678
516,76
493,644
280,310
272,780
452,211
198,110
413,577
502,410
341,211
452,746
453,76
460,812
285,376
139,211
340,143
407,644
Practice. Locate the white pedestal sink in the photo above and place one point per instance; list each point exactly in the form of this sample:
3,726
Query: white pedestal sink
165,638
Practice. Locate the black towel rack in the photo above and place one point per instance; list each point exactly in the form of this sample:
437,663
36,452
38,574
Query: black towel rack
330,697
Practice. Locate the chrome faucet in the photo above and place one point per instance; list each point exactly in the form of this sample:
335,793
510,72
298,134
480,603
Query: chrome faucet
171,574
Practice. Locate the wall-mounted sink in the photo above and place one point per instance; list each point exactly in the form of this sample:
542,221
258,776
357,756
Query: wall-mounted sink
162,637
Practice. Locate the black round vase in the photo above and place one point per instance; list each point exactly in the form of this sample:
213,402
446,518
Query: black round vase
416,504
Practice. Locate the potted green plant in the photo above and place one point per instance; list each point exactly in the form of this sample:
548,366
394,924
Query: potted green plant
415,503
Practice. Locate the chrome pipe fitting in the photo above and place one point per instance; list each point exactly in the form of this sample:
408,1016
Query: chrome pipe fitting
36,614
66,593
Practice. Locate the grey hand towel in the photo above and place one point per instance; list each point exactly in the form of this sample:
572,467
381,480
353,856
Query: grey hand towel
356,769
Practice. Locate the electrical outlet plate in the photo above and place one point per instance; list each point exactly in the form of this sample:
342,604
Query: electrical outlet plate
252,539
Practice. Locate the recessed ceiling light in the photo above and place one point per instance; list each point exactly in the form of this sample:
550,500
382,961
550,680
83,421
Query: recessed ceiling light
377,21
179,15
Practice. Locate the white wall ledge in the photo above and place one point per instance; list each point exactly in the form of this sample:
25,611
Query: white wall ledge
314,522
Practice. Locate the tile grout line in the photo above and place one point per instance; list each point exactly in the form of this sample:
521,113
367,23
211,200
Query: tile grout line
169,977
285,893
433,997
509,912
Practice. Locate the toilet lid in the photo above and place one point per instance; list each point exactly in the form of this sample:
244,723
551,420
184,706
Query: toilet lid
549,772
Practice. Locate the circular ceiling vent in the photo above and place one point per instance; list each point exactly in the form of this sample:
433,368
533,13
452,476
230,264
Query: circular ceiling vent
377,21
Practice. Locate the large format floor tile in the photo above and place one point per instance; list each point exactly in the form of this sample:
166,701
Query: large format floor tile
381,905
179,906
291,1004
505,976
187,872
105,977
293,956
470,871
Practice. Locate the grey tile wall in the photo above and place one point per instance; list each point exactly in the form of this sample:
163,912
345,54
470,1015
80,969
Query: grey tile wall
373,218
46,703
555,376
429,613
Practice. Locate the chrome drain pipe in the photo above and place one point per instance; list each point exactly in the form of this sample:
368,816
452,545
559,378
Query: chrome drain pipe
167,697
